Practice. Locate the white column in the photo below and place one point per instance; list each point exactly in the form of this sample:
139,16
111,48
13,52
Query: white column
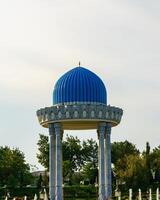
45,195
101,132
139,194
59,192
119,197
108,171
52,158
150,194
157,194
130,194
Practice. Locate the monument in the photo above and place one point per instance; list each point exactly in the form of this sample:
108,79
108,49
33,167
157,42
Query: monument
79,103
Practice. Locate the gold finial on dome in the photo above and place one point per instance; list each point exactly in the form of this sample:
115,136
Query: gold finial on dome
79,63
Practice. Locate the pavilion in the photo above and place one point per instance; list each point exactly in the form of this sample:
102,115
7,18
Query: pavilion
79,103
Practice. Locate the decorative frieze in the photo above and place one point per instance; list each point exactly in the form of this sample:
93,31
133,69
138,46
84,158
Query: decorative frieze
79,112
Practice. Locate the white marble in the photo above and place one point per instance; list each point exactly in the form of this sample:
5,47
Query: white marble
130,194
157,194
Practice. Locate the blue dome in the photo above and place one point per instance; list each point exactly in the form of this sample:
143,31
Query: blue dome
79,85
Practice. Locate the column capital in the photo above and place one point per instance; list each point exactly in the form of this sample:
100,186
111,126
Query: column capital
109,125
51,125
101,127
102,124
58,129
108,128
51,129
57,125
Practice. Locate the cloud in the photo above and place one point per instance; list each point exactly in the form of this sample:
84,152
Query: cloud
40,40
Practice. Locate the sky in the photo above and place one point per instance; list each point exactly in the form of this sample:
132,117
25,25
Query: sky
42,39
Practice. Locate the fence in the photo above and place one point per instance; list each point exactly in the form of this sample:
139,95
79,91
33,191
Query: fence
75,193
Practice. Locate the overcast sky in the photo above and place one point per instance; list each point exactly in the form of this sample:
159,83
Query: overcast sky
42,39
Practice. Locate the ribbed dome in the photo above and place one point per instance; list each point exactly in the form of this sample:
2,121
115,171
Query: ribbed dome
79,85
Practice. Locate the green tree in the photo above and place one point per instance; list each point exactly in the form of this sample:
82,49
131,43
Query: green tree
90,160
90,172
81,159
131,170
154,161
43,148
14,171
120,153
121,149
90,152
39,182
72,151
72,154
147,157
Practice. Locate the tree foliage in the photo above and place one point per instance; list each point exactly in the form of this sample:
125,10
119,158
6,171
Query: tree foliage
127,161
121,149
90,160
131,170
154,163
130,167
76,155
72,155
14,171
43,148
90,152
